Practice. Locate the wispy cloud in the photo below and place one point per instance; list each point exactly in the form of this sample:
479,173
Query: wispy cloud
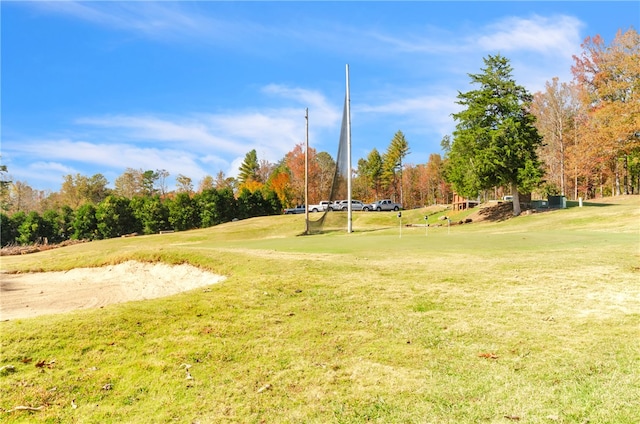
193,145
147,128
171,20
325,113
158,20
273,131
110,159
554,35
422,112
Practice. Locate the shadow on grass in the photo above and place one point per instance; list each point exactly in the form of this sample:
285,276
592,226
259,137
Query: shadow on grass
574,204
344,231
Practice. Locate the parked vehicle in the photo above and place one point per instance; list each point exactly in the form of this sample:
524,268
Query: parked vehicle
320,207
297,209
383,205
343,205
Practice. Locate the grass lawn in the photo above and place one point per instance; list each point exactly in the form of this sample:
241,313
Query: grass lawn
534,319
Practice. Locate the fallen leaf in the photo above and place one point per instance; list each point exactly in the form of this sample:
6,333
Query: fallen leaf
512,417
488,355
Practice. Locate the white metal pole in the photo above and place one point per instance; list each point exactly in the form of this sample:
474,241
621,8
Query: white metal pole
306,172
348,106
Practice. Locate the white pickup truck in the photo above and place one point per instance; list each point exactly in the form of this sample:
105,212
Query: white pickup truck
320,207
383,205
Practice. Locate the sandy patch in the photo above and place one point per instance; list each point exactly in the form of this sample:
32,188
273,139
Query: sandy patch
35,294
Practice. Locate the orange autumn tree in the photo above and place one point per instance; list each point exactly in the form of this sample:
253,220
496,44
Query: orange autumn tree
295,162
609,81
279,182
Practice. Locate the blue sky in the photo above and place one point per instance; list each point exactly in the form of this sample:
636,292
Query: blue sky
191,87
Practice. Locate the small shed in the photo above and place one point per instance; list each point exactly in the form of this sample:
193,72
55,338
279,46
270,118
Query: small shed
558,202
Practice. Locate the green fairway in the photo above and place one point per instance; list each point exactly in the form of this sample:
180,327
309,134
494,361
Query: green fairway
535,319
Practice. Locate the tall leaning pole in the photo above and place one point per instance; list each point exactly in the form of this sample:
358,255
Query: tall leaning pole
348,106
306,172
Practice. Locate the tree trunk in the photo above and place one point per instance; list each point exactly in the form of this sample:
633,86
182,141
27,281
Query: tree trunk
516,199
575,187
617,179
626,174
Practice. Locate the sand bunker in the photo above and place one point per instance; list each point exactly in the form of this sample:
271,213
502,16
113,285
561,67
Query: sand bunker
34,294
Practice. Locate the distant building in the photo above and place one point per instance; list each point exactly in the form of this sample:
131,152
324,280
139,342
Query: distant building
461,203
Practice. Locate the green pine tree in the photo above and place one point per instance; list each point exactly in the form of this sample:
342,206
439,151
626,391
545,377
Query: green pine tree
495,140
249,168
392,162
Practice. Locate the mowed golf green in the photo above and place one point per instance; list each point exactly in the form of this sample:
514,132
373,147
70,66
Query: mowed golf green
534,319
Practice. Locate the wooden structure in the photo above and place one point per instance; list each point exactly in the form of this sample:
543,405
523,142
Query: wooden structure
461,203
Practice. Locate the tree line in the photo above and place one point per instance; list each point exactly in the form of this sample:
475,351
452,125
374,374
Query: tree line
139,202
578,139
116,216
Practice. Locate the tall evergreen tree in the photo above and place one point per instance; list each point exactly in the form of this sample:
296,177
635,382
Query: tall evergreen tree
149,179
249,168
392,161
495,140
373,171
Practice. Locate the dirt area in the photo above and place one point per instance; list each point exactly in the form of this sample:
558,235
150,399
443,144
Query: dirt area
493,212
34,248
35,294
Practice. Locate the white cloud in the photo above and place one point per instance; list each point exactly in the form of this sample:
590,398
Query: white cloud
194,145
556,35
428,113
162,20
410,105
42,173
324,113
189,131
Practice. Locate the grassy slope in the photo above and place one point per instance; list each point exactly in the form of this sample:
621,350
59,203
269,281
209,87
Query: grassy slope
536,318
